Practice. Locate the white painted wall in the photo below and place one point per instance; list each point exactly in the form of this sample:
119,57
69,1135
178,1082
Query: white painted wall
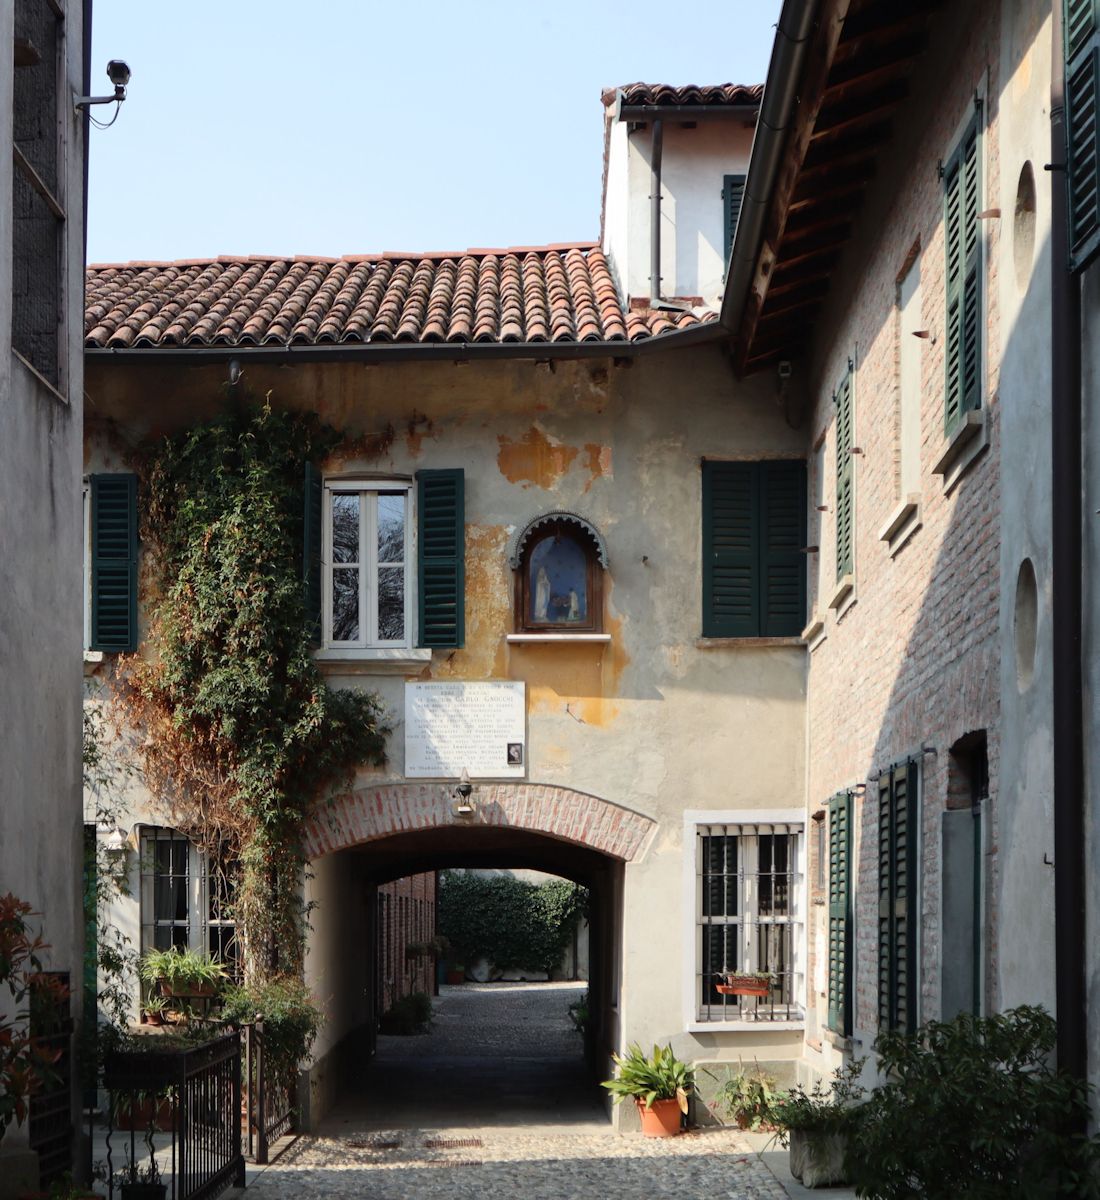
694,162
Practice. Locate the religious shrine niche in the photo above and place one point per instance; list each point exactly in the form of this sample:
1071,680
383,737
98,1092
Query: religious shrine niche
559,560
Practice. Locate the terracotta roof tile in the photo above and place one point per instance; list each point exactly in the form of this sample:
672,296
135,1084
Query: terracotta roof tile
562,293
690,93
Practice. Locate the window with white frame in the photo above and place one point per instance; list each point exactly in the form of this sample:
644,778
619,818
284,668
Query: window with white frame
367,557
749,963
186,898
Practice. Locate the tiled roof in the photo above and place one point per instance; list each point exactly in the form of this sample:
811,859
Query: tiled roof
689,93
557,294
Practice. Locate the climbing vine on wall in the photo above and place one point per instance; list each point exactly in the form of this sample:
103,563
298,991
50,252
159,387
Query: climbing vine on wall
239,731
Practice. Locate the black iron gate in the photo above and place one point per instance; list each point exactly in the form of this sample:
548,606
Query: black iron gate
269,1094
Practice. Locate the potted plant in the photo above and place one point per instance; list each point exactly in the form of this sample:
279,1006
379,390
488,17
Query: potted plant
142,1182
749,1099
659,1084
815,1125
746,983
183,974
153,1010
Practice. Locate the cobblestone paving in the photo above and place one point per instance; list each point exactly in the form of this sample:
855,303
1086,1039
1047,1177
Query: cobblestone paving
500,1083
528,1166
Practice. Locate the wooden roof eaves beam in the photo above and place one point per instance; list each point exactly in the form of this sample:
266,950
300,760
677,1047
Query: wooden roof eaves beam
830,24
856,74
813,301
852,187
810,283
840,221
884,17
854,160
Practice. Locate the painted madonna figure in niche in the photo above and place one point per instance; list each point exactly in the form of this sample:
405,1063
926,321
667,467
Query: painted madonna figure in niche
558,581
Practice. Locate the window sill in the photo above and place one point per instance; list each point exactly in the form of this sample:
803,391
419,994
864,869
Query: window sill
744,643
557,637
92,660
744,1026
814,633
845,594
964,445
335,660
838,1041
904,521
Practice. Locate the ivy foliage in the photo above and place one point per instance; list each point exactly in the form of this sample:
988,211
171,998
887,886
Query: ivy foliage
241,732
509,921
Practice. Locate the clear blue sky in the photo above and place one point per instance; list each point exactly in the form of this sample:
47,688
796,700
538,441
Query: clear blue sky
336,126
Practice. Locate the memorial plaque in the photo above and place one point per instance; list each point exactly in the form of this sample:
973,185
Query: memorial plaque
477,726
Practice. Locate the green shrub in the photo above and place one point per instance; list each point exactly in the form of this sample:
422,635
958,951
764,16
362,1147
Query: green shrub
411,1014
508,921
291,1018
974,1110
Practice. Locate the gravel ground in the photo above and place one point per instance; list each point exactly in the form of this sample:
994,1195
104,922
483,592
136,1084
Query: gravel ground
495,1102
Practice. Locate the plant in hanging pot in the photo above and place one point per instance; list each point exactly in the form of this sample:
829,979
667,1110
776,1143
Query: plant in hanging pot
746,983
659,1084
183,975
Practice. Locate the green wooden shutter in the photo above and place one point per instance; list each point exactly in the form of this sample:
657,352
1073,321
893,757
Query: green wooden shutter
311,550
731,518
782,548
441,555
1082,49
840,913
845,484
898,930
733,192
114,562
963,280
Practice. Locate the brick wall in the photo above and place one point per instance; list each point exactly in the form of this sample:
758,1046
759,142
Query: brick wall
913,663
406,914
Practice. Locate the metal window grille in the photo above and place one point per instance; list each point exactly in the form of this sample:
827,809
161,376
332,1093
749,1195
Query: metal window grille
165,890
748,913
220,884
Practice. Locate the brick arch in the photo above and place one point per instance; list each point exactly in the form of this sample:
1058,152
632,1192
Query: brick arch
371,813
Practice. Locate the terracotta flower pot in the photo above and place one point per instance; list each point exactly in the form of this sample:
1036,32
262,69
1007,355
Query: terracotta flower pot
661,1119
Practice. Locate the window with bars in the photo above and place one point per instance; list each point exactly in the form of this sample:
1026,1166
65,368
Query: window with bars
186,898
748,905
38,216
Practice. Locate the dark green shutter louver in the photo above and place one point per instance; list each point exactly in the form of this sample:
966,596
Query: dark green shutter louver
845,483
731,601
114,562
783,548
441,555
898,930
311,550
840,913
733,193
754,537
963,280
1082,50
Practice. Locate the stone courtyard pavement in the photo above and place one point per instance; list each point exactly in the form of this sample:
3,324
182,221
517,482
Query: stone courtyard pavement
495,1102
410,1164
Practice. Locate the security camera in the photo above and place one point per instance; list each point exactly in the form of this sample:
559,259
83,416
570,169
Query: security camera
118,72
784,369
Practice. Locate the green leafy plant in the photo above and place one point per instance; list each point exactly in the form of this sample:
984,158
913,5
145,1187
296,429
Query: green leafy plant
579,1014
291,1018
657,1076
436,947
749,1098
411,1014
239,732
822,1110
181,972
509,921
973,1109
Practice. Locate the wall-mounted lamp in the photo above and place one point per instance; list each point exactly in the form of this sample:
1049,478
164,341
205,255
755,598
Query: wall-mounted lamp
116,841
119,74
463,806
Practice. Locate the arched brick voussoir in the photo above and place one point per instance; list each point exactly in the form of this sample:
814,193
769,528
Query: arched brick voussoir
368,814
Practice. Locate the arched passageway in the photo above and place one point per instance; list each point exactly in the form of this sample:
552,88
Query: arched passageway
370,837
